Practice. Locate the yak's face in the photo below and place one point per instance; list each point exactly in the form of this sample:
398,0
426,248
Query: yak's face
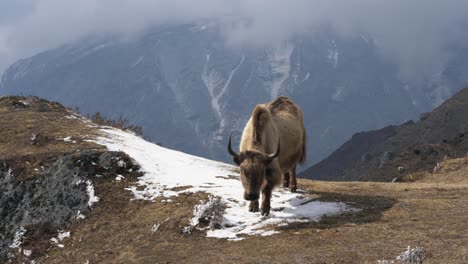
252,167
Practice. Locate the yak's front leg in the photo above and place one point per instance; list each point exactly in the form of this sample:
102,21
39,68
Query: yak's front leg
253,207
266,198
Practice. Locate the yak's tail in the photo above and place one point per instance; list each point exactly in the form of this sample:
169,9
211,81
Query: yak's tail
260,117
303,157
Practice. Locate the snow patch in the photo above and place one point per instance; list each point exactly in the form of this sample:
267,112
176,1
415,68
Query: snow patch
138,61
79,215
61,236
166,169
71,117
199,28
68,139
27,252
18,237
365,38
91,50
412,255
214,81
26,103
339,94
90,190
333,55
280,63
269,233
56,242
121,164
155,228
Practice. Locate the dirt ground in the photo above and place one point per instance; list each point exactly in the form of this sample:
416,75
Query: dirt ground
393,216
430,212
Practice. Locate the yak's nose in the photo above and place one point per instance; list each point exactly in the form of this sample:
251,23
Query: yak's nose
251,196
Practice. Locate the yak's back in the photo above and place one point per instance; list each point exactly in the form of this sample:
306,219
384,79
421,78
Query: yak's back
284,105
285,110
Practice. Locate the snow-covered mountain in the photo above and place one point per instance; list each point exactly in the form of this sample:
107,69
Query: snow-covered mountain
189,90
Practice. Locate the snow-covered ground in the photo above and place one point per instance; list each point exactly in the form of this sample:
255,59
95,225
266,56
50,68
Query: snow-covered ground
165,169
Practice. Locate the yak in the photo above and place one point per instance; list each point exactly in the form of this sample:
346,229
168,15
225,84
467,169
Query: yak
273,142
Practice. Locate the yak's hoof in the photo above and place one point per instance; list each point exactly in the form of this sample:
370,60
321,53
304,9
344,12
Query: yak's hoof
265,212
293,189
253,209
285,184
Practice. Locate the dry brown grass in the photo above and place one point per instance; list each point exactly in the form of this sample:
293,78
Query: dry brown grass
394,216
450,171
25,118
45,119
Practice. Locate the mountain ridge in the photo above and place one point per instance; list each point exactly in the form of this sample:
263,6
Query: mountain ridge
412,146
189,90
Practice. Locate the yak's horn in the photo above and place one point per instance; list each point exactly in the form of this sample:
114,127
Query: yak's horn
232,152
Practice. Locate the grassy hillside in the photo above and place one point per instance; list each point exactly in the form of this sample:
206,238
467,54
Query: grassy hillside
387,217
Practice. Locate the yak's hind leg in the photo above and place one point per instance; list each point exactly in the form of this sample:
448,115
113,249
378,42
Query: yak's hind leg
286,179
292,180
253,207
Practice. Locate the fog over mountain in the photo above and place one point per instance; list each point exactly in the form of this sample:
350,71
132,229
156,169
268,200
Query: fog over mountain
190,72
417,35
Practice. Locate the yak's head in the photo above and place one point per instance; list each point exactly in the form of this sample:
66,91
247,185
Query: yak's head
253,168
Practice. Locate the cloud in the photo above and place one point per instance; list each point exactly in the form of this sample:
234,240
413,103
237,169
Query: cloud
414,34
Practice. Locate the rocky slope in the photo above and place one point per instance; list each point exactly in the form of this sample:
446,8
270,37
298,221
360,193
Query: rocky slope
393,152
48,171
189,90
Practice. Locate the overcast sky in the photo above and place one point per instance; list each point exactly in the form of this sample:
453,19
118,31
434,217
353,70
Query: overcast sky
413,33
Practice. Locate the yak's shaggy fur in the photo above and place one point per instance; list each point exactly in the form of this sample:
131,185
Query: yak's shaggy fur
272,143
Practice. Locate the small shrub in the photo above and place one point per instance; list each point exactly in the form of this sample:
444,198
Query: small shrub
120,123
412,255
409,256
207,215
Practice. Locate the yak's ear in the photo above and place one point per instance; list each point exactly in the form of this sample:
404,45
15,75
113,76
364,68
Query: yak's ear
236,160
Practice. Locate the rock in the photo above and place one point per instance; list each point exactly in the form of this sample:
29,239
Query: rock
56,194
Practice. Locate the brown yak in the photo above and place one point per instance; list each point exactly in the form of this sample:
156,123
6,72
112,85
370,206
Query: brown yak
272,143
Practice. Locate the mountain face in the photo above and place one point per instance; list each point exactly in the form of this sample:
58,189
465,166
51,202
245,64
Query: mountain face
189,90
391,152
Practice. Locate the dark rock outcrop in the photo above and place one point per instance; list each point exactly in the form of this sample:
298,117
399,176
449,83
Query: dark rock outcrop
55,196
